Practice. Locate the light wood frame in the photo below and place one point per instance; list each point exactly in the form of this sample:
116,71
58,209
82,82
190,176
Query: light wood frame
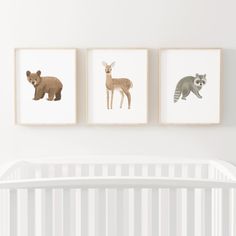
147,90
16,118
159,88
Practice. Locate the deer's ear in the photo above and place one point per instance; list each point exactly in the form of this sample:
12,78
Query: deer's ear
104,63
113,63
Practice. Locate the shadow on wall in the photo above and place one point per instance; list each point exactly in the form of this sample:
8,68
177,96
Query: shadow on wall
229,87
153,89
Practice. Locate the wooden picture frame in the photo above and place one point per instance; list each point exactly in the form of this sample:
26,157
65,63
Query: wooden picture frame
57,68
183,98
127,60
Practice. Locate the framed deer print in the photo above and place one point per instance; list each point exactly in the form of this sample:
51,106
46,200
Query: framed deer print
117,86
45,86
190,86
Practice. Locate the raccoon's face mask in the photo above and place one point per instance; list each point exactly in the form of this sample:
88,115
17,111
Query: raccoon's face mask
200,80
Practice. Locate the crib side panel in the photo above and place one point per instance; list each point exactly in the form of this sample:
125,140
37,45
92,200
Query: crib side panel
152,211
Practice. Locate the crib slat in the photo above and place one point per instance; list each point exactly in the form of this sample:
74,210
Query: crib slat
84,202
100,203
226,212
164,170
217,210
155,212
126,213
208,212
13,213
66,212
47,212
234,211
84,212
179,206
31,212
100,218
137,203
164,211
111,205
112,212
173,212
137,212
73,212
58,212
146,212
120,212
190,211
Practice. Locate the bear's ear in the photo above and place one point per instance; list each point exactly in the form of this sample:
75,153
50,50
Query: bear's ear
28,73
38,72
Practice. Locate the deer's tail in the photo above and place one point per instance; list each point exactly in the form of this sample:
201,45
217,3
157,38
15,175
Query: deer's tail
131,84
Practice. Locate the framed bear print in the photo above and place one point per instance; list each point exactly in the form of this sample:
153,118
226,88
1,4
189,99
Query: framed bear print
45,86
190,86
117,86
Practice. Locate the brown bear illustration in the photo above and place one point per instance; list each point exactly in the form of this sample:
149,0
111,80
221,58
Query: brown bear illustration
50,85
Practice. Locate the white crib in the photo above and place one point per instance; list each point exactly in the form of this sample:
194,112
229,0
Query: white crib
160,198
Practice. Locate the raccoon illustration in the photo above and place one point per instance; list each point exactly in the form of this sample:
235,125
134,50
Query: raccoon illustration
188,84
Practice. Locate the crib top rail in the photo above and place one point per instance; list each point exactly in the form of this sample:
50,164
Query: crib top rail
162,172
118,182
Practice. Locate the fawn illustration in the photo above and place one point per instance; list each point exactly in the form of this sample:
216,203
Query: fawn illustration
122,84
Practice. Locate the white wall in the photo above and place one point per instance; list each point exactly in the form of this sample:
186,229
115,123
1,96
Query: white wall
121,23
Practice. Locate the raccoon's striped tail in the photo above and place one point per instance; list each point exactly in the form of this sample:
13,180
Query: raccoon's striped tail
177,93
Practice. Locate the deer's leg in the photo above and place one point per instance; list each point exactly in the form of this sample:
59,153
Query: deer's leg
107,99
112,92
122,99
127,93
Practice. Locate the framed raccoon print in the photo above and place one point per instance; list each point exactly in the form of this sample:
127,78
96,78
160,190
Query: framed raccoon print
117,86
190,86
45,86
